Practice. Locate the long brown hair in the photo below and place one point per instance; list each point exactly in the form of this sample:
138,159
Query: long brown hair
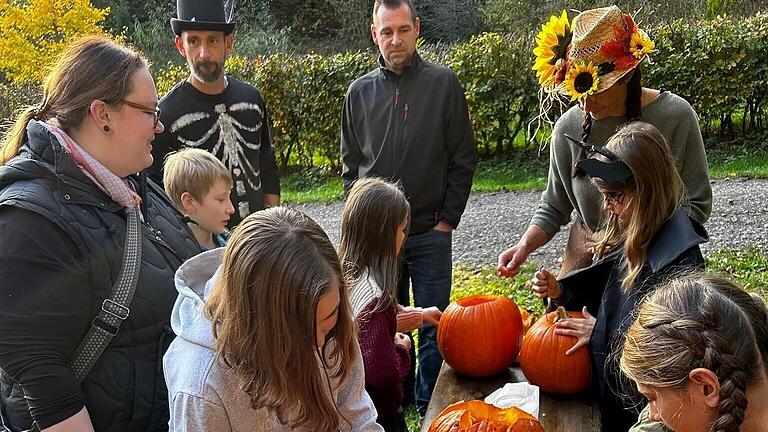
276,267
91,68
373,213
657,191
700,321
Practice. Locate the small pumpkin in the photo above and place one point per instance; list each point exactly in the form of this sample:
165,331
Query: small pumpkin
543,360
472,415
480,335
528,319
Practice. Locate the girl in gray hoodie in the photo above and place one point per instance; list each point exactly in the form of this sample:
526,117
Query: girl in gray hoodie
265,336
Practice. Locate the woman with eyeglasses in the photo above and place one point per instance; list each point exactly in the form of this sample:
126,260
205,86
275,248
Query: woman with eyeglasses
648,238
594,61
89,251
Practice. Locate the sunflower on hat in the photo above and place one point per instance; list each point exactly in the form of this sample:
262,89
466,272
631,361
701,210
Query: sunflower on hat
589,54
551,50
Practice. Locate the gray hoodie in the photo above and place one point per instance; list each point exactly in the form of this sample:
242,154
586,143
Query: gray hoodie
203,396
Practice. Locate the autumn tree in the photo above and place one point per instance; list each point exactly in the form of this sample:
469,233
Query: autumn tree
34,32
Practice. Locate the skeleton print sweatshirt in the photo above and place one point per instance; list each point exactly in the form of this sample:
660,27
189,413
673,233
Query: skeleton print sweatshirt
234,127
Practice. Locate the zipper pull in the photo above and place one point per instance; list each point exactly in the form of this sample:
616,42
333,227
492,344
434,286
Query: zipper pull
397,97
405,114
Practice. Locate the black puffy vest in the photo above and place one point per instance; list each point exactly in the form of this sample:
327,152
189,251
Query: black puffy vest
125,391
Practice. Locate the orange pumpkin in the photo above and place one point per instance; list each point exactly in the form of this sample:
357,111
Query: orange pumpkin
480,335
543,358
471,416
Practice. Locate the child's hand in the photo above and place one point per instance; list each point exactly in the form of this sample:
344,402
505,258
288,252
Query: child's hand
403,340
544,284
581,328
432,315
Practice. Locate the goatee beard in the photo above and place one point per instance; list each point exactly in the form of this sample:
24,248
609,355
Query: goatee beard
208,77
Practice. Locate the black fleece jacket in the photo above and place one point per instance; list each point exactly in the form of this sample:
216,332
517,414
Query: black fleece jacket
413,128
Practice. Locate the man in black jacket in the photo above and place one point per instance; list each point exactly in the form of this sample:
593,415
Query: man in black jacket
407,121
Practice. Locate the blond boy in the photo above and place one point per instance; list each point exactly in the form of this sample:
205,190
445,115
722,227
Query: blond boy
199,184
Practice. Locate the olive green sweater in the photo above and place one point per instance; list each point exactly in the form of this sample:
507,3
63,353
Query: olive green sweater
674,118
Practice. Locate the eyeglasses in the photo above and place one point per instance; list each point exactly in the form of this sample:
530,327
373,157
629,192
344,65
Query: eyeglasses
153,111
615,198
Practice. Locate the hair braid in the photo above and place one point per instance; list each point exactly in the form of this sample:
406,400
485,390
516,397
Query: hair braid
586,131
731,373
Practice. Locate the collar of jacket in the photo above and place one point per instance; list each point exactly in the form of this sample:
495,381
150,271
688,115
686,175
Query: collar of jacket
43,156
412,68
676,236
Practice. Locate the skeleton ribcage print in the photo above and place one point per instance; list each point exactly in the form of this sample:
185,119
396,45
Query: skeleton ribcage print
230,146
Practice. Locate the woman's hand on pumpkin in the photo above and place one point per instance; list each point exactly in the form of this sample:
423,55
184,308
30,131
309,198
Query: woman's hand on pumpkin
432,315
580,328
544,284
403,340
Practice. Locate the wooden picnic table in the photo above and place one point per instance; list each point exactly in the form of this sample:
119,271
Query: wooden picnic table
557,413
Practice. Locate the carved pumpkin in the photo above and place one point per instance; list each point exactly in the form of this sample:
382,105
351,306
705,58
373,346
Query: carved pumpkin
472,415
480,335
543,358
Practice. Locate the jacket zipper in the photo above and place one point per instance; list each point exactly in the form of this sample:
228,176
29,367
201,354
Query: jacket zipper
157,238
396,139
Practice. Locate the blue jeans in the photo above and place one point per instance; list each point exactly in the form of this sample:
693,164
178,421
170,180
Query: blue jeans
427,267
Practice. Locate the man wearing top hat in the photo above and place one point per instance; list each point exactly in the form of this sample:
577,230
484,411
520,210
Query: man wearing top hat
215,112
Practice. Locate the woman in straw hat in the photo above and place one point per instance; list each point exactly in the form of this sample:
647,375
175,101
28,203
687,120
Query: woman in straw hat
594,61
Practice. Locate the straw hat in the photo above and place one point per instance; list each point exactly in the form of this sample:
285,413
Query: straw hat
590,54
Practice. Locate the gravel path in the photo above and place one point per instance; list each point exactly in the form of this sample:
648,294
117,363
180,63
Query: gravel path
493,221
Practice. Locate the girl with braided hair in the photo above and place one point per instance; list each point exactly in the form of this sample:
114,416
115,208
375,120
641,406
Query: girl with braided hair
594,60
698,351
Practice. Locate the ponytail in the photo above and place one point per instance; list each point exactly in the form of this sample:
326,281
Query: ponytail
90,68
15,137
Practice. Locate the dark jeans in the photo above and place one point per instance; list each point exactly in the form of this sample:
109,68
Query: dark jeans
394,424
427,267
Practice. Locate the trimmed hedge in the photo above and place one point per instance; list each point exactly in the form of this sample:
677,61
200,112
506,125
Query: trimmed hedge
719,66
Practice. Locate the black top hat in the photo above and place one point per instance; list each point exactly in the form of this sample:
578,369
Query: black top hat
614,172
200,15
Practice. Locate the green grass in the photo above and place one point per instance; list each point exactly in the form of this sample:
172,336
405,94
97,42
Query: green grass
499,174
296,191
751,166
525,171
748,268
469,281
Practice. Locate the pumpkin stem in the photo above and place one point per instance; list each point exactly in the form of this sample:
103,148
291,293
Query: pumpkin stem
561,314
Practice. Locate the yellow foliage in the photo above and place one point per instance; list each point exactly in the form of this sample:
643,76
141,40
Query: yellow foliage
34,32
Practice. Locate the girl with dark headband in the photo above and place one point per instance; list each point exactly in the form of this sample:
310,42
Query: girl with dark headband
648,237
594,61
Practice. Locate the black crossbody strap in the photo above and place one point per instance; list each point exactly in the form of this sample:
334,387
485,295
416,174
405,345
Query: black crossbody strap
115,308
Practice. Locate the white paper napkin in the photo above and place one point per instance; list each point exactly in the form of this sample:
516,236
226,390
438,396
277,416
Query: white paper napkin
521,395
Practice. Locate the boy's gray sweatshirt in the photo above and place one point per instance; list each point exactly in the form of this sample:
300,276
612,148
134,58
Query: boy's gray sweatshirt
202,393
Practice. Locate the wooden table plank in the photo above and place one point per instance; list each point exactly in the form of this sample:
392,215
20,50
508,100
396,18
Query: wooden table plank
557,413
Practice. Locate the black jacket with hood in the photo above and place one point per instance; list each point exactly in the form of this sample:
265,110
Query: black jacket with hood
413,128
62,246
